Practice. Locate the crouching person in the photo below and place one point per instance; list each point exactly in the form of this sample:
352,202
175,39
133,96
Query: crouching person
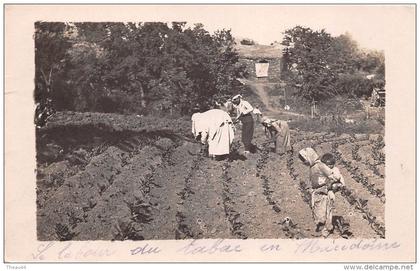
320,178
214,128
278,131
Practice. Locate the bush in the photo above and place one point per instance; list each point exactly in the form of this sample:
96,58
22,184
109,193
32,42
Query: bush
247,42
129,67
354,85
339,106
321,66
338,126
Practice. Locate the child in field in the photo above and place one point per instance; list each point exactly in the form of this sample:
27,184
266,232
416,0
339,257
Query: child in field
338,180
336,185
322,181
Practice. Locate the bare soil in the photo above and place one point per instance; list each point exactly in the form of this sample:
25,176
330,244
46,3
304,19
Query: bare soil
115,177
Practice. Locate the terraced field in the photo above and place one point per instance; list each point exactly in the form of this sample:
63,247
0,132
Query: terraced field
114,177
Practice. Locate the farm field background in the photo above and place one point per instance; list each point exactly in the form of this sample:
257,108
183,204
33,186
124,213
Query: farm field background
116,159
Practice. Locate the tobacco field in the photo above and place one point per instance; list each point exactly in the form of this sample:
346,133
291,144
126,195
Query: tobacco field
105,176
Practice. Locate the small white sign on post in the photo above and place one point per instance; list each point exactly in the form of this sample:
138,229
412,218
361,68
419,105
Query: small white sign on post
261,69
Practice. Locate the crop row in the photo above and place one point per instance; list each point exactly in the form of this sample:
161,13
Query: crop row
363,156
357,174
183,231
125,207
236,226
267,190
118,123
79,193
274,194
377,150
361,205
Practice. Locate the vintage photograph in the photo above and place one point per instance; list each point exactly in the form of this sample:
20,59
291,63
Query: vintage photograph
210,133
167,130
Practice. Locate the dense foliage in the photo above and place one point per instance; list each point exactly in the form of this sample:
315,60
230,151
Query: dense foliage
133,67
320,66
247,42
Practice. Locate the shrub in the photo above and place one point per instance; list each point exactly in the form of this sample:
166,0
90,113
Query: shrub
354,85
122,67
337,126
247,42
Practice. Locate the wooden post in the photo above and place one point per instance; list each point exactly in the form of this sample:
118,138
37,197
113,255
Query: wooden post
284,93
368,115
142,96
312,109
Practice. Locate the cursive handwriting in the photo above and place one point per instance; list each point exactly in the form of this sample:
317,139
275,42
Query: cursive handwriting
314,246
270,247
146,249
42,248
65,250
69,252
219,246
75,250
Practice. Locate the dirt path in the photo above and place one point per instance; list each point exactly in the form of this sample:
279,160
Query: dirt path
260,88
262,93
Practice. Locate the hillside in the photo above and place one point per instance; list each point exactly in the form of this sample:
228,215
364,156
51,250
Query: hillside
259,51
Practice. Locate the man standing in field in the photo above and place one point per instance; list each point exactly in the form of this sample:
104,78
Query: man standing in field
244,114
215,128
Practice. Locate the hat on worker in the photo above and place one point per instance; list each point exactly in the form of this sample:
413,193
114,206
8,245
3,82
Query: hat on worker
236,97
267,121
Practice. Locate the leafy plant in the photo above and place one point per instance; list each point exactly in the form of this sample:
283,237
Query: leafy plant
141,211
63,232
126,230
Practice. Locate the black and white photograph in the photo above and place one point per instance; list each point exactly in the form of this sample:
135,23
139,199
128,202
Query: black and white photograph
267,127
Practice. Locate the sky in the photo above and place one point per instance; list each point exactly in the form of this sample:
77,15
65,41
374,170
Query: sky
265,23
377,27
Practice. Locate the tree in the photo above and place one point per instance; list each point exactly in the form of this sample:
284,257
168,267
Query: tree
373,62
307,53
136,67
321,66
51,43
344,55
